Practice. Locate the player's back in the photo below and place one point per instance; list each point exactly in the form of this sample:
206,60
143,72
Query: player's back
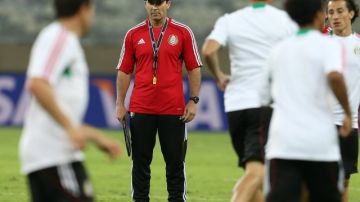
58,59
254,31
251,34
301,126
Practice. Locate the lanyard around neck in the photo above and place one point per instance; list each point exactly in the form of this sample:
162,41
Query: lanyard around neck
156,47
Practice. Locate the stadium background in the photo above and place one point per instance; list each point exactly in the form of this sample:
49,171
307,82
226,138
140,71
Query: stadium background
209,180
20,21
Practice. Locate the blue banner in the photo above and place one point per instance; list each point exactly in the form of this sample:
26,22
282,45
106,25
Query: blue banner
14,100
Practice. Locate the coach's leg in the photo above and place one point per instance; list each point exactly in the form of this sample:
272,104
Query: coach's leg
143,137
172,137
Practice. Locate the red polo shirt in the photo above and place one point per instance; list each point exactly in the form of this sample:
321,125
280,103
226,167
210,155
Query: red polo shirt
166,97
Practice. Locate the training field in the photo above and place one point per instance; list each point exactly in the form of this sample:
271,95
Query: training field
210,166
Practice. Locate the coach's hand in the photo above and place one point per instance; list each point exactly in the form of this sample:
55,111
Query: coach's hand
120,112
189,113
346,127
76,137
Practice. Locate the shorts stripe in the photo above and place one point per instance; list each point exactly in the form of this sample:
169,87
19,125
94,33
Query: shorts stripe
341,177
131,181
185,185
267,178
68,179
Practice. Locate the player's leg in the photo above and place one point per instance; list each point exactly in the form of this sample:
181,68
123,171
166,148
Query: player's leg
237,133
266,113
40,188
349,147
249,187
85,186
63,183
250,184
173,141
304,193
143,137
74,181
324,181
345,194
283,180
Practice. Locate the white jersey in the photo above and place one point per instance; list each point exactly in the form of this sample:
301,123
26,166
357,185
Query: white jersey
302,125
250,33
57,57
351,47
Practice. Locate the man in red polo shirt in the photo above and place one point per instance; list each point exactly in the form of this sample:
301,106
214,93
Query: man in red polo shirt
154,51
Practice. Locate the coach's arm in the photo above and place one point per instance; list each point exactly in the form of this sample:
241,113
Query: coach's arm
194,76
122,86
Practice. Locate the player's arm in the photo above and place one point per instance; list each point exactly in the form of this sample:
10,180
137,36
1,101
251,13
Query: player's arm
43,93
122,86
104,143
210,52
337,84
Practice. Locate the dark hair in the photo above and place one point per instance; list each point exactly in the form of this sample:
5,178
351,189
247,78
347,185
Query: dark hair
68,8
303,12
351,6
156,2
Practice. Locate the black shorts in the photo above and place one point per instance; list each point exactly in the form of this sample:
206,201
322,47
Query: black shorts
63,183
248,131
349,148
284,180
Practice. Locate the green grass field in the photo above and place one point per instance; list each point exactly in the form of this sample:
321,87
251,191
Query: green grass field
210,166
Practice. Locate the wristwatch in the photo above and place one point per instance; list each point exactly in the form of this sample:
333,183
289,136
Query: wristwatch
195,99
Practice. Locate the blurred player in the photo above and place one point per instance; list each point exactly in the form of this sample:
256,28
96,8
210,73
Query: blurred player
53,134
341,14
303,145
250,33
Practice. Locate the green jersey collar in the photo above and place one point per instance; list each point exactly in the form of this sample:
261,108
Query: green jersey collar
258,5
303,31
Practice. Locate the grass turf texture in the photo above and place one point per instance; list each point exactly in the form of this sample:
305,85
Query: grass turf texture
210,166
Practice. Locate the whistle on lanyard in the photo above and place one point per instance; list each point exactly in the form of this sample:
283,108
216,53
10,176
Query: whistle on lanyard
154,80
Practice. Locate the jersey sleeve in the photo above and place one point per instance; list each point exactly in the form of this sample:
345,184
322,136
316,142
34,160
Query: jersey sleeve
334,56
220,31
126,60
50,56
190,52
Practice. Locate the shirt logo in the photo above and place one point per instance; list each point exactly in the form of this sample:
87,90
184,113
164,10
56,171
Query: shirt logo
173,40
357,50
141,41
